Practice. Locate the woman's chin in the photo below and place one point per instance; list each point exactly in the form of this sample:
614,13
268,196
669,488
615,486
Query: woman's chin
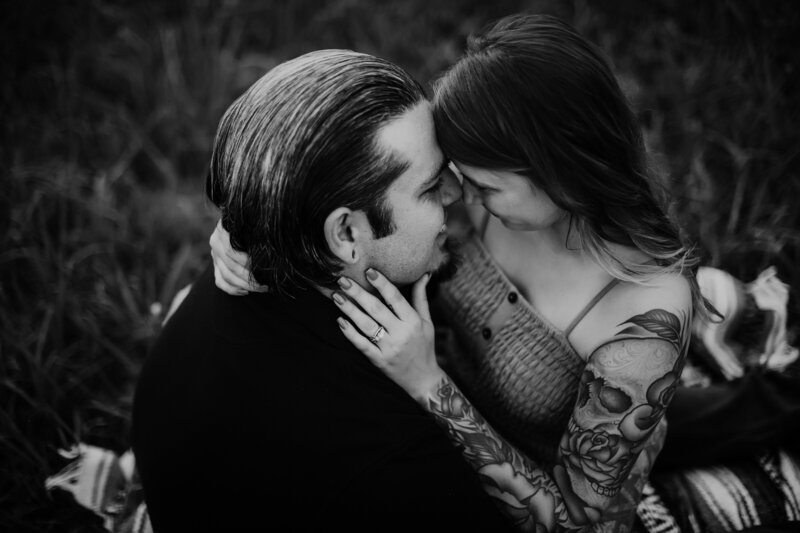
516,225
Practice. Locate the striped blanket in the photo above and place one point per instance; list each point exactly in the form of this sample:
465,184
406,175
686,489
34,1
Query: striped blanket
106,484
758,490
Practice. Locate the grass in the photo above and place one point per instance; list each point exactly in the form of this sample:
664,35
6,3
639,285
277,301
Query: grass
109,109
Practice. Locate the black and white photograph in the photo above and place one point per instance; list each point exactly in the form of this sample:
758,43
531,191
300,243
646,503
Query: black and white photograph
400,265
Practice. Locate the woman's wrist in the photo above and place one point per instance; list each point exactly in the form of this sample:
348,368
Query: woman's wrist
427,389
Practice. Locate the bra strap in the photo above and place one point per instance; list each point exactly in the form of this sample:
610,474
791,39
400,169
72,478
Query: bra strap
484,223
589,306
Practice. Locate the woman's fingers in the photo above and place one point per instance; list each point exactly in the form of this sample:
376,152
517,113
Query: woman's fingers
420,297
236,257
220,242
363,321
390,295
359,340
369,303
254,287
230,265
405,352
231,278
237,271
222,278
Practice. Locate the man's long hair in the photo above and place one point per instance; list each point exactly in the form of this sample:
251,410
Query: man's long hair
300,143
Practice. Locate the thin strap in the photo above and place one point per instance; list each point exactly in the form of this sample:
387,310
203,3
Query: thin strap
590,305
484,223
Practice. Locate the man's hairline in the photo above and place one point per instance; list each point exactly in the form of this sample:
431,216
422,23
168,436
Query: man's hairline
385,156
387,152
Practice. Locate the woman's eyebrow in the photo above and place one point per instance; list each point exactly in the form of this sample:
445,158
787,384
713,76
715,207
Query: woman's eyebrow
475,183
461,176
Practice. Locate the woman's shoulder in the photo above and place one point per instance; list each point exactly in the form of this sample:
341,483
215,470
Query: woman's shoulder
668,290
663,302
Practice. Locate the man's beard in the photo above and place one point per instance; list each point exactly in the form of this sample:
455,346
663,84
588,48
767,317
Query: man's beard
448,269
444,272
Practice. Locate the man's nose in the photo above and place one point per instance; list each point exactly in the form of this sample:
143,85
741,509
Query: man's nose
451,190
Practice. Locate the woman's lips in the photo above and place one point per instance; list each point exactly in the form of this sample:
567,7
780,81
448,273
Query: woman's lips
442,235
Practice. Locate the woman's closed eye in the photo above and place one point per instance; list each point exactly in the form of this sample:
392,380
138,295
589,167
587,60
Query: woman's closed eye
478,188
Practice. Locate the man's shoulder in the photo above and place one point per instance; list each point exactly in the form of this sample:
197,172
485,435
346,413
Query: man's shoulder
214,337
298,392
212,344
208,316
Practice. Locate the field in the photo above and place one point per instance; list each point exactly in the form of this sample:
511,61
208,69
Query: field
108,113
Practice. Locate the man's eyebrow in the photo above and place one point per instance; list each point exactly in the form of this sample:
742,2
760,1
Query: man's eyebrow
428,183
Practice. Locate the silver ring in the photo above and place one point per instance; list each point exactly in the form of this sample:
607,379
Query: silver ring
378,335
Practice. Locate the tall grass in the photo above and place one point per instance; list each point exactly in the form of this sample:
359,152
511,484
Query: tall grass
109,109
717,89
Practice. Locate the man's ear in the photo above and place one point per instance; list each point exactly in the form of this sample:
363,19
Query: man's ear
346,232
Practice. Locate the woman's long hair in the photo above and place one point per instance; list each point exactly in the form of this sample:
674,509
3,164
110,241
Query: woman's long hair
532,96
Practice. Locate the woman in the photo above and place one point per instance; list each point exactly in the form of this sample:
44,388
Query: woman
572,306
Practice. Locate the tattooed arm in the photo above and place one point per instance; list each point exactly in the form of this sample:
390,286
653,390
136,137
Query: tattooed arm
624,390
623,393
527,495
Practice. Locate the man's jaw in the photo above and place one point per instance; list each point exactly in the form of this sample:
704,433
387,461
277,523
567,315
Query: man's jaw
450,265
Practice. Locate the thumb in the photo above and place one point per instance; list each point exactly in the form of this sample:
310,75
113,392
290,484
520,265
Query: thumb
420,297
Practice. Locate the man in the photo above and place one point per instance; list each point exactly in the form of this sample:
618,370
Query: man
255,411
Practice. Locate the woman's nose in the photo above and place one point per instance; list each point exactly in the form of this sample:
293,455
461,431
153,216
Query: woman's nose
470,195
451,190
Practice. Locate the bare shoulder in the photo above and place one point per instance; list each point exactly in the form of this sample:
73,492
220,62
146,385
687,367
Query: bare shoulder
668,291
662,306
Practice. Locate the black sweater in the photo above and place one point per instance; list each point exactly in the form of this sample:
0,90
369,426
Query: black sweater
255,412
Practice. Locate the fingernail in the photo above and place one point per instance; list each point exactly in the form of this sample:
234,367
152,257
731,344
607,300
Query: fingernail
344,283
342,322
338,298
371,274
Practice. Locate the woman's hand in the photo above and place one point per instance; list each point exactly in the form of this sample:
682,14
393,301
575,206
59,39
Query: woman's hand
231,273
397,337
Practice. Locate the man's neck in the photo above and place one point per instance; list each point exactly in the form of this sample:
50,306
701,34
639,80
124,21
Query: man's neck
352,274
326,292
361,279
